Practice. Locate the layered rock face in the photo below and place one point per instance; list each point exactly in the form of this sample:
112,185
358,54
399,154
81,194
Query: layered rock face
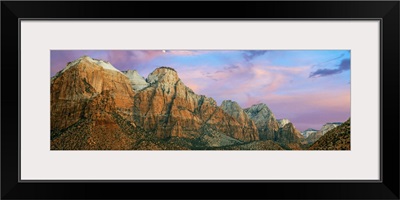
264,120
87,95
281,131
168,108
288,134
233,109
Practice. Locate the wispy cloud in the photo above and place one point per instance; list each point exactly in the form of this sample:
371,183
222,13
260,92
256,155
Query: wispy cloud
343,66
250,55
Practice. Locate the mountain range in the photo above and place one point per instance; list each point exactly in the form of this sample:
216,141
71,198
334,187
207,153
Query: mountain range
94,106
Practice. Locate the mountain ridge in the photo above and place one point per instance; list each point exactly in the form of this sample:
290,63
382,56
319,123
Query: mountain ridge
123,110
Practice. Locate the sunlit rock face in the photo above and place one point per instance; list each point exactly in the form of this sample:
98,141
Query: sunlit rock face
86,96
168,108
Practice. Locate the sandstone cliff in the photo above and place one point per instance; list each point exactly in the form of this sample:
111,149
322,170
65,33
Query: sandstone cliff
85,97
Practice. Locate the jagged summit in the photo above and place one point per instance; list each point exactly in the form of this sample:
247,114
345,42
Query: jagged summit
283,122
233,109
229,103
259,109
264,119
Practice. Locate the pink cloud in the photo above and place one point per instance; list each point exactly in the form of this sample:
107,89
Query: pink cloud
318,107
133,57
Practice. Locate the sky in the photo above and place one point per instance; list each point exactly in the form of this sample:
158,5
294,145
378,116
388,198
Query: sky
308,87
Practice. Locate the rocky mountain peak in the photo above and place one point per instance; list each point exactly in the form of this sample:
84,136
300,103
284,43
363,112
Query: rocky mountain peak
329,126
165,75
137,81
283,122
234,110
229,104
264,119
260,110
89,89
101,63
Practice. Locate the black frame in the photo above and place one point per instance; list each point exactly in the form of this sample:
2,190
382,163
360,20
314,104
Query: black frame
386,11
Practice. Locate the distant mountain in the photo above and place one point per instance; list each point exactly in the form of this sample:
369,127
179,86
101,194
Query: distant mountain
94,106
282,122
312,137
307,132
337,138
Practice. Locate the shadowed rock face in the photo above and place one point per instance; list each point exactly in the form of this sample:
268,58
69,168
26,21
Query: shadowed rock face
288,134
264,120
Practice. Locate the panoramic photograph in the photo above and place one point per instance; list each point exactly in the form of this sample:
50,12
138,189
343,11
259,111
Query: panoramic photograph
200,100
